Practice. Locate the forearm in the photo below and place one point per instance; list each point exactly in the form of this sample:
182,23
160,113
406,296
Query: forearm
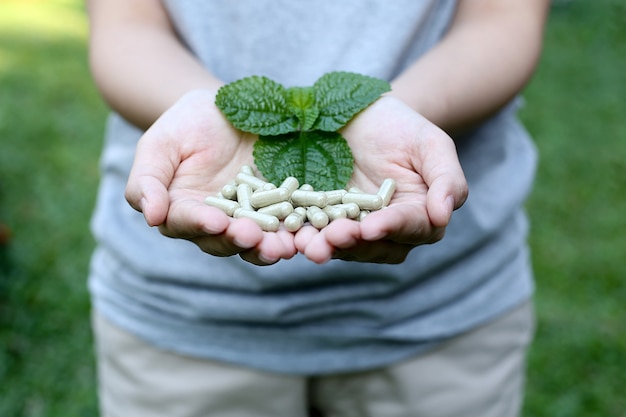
138,64
486,58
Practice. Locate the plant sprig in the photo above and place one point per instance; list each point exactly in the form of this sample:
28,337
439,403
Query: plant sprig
298,126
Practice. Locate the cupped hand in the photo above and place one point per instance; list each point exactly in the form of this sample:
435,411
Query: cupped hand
390,140
190,152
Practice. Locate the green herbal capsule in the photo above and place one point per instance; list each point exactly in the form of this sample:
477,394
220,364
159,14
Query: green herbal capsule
352,209
301,211
280,210
290,183
265,221
308,198
334,212
386,190
317,217
266,198
334,196
254,182
247,169
227,206
229,191
365,201
293,222
244,192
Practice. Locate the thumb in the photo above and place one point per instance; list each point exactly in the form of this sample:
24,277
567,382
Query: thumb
446,193
149,179
442,172
149,196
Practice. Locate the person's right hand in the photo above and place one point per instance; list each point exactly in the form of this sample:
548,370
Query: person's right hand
190,152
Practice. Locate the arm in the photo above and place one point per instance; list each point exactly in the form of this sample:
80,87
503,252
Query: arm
138,63
189,151
485,59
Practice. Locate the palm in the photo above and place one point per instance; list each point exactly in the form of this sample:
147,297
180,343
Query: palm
188,154
210,155
389,140
383,148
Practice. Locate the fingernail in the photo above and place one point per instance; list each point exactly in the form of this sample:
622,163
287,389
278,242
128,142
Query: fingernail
450,203
241,244
266,259
143,203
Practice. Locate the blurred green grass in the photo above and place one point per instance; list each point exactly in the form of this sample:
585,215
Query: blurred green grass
50,131
576,110
51,123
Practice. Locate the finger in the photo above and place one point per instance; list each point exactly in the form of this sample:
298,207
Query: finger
288,240
318,249
313,244
273,247
276,245
192,219
304,236
244,233
252,256
403,223
343,233
240,236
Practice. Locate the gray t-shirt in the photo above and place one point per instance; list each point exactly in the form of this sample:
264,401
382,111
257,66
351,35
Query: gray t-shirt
297,316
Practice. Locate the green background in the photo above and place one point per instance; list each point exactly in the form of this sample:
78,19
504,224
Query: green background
51,124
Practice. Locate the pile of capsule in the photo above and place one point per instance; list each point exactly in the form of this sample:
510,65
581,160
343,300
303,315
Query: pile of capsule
267,204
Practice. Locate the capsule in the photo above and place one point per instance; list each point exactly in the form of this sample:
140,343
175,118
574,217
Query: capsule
244,192
229,191
386,190
266,198
334,196
334,212
294,222
254,182
363,214
227,206
352,209
365,201
301,211
246,169
280,210
317,217
265,221
306,187
291,184
308,198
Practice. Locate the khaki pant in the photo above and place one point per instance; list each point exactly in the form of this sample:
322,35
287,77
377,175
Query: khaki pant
478,374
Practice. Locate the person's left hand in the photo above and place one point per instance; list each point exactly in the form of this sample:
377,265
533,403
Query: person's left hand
390,140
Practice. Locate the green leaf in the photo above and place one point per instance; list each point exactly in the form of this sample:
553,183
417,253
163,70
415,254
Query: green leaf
257,105
301,101
322,159
341,95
